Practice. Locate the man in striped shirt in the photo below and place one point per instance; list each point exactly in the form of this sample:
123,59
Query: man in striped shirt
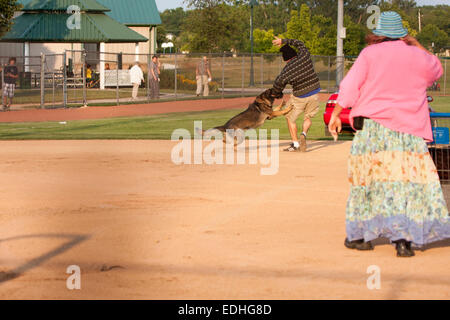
299,73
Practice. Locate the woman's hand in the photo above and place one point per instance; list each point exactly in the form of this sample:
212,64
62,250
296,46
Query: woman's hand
335,125
277,42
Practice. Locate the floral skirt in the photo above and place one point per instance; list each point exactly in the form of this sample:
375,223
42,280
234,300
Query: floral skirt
395,189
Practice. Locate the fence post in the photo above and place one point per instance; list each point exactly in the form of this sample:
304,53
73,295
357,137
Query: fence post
262,70
53,88
117,81
340,63
329,70
148,77
83,74
445,76
65,79
243,74
223,73
176,74
42,80
3,80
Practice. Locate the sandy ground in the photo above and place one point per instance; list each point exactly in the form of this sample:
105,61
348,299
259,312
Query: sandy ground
141,227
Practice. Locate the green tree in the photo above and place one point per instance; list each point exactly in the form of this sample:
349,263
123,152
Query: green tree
161,35
318,33
412,32
272,14
173,19
325,29
405,5
7,9
354,41
300,27
214,28
430,35
437,15
356,9
240,29
263,41
312,21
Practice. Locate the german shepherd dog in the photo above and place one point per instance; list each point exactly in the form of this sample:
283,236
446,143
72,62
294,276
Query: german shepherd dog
255,115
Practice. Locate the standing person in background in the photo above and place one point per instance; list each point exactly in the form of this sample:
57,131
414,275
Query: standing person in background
137,77
88,75
395,189
203,76
154,77
11,73
299,73
2,82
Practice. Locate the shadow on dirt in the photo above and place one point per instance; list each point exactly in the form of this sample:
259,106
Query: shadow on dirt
73,240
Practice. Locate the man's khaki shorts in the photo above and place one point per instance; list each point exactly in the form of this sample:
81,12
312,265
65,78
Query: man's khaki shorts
309,106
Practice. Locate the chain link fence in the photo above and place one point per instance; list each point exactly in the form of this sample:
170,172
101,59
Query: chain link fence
72,78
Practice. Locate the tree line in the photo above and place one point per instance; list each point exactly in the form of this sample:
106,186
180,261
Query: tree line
7,9
224,25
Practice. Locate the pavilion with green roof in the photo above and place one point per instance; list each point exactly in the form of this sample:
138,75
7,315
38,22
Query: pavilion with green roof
101,22
137,15
46,21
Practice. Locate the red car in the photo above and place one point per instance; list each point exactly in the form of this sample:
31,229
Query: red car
345,115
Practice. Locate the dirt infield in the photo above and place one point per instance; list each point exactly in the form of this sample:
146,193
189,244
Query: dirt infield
43,115
140,226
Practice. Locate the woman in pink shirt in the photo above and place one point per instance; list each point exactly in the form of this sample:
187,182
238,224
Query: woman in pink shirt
395,188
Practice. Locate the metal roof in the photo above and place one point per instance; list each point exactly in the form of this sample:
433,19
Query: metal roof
23,2
47,27
62,5
133,12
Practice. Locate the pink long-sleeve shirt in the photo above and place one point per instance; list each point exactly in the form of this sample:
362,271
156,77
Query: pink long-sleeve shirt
388,84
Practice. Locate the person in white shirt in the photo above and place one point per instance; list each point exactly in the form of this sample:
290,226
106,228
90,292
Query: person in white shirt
137,77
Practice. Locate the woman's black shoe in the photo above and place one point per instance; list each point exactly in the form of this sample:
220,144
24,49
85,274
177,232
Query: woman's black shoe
404,248
358,244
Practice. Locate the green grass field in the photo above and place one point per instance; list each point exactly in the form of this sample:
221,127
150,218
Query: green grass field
155,127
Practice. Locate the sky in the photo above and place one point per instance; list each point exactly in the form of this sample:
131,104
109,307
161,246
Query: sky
171,4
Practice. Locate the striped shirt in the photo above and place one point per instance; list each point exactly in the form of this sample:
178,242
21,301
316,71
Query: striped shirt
298,72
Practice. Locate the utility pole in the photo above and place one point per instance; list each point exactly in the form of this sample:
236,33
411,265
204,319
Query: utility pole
420,22
340,43
252,72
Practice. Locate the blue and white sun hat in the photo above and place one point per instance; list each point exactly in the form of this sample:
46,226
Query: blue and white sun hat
390,25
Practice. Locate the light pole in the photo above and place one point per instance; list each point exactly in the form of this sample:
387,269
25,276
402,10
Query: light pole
340,43
252,74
